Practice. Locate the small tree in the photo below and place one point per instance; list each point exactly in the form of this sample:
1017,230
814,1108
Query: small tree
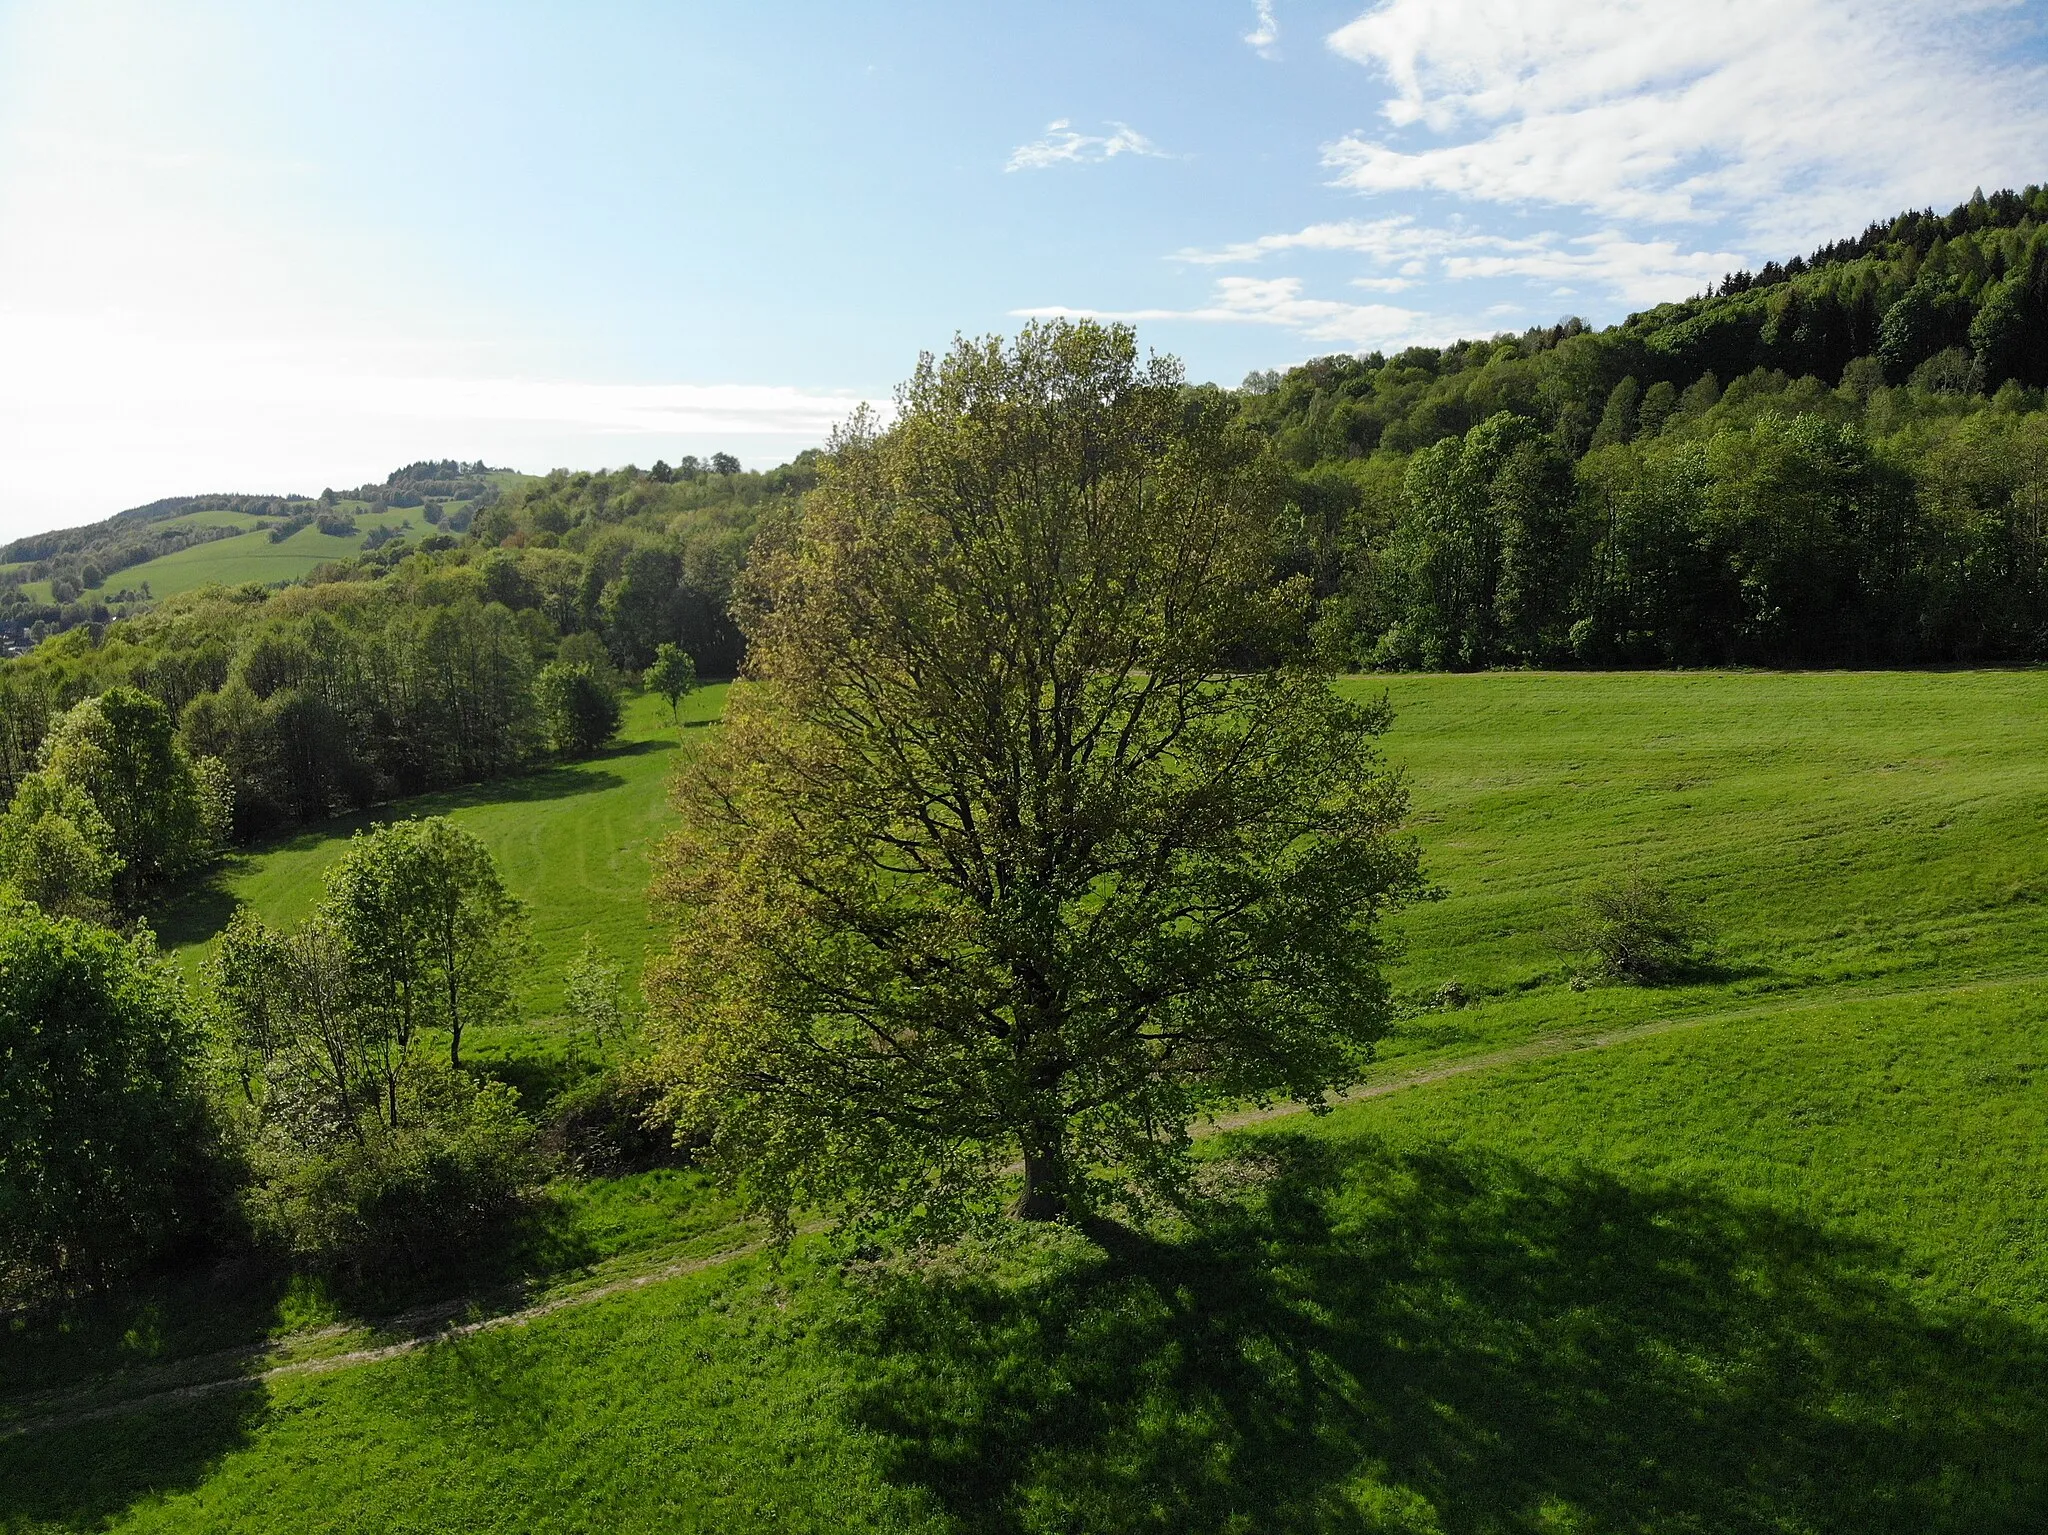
364,1153
431,931
1638,931
673,675
579,710
1005,852
593,992
102,1125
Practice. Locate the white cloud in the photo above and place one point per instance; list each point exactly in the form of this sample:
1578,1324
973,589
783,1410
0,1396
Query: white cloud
1279,301
155,412
1636,271
1264,39
1800,118
1063,146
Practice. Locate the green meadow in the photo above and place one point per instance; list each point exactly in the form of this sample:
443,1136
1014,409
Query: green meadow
1763,1251
250,555
571,842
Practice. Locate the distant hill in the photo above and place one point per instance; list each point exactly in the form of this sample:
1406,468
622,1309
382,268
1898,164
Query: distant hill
53,581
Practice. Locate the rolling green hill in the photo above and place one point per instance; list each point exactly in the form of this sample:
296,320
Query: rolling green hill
1765,1251
250,555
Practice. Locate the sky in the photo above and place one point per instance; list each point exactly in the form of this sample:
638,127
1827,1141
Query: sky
271,248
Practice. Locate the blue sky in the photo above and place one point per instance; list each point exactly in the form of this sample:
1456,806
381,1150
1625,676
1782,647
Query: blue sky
265,247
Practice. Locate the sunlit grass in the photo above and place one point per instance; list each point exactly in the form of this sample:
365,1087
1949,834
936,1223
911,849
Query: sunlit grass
1784,1268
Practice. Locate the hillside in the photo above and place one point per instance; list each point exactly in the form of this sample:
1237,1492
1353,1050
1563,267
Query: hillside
50,582
1763,1250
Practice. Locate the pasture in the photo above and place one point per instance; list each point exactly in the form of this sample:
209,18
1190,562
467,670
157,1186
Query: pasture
1760,1251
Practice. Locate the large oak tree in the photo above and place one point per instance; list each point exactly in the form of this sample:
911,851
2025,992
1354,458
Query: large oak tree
1032,832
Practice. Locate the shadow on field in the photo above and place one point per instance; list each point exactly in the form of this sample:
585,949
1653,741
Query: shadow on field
85,1476
72,1471
1461,1344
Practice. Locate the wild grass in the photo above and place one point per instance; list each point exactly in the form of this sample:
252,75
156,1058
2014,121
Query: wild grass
1777,1264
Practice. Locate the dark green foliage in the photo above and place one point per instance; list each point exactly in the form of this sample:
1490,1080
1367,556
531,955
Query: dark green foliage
609,1123
1637,929
1826,555
1481,563
1927,318
366,1154
394,1199
579,708
103,1134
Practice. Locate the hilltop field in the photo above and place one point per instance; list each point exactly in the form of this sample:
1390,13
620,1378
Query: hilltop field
1762,1251
251,555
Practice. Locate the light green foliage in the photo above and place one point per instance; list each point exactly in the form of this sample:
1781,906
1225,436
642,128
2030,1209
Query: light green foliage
103,1137
1004,853
57,850
119,749
673,676
593,993
579,708
432,934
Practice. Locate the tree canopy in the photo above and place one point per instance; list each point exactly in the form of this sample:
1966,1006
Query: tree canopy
1007,850
102,1123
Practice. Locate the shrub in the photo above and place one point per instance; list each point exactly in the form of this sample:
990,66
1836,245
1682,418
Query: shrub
458,1167
579,710
606,1124
105,1146
1638,931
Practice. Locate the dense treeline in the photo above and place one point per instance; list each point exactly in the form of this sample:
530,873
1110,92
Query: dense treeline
414,667
1842,462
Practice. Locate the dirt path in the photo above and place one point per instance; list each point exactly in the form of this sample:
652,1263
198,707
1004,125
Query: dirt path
425,1320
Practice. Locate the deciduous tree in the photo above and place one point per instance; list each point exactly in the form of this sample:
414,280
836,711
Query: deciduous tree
1011,850
673,675
431,930
102,1127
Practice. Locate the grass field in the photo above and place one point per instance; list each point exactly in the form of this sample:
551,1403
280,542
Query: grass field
571,842
251,556
1766,1253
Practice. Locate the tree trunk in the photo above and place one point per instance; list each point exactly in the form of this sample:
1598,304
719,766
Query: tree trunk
1045,1193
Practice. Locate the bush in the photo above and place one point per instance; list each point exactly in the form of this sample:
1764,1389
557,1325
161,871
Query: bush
459,1167
105,1143
579,710
605,1125
1639,932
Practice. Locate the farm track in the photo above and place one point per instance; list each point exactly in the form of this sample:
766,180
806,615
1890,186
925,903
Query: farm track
431,1325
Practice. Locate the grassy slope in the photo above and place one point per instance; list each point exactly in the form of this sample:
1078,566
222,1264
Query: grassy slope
571,842
1782,1270
253,557
248,556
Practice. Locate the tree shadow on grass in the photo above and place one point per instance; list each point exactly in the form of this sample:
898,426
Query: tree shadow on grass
1457,1343
83,1476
